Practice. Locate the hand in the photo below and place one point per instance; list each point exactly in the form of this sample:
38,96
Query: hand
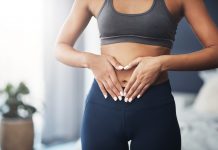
146,72
102,67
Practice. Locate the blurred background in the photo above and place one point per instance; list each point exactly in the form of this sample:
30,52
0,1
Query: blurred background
27,33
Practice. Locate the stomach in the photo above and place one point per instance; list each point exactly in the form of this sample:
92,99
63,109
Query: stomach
125,52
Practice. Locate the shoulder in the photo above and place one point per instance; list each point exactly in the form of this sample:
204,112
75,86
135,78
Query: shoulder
188,5
190,2
83,3
94,5
184,6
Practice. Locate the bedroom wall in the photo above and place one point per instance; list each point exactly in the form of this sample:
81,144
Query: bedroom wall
186,41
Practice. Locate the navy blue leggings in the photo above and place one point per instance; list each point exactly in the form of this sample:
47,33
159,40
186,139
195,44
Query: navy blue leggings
150,122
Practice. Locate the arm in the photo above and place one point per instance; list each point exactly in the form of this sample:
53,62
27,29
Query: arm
101,66
73,26
207,32
149,68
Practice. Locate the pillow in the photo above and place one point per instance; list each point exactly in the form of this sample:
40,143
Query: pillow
207,98
208,74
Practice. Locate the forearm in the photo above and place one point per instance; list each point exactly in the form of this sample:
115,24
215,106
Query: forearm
200,60
72,57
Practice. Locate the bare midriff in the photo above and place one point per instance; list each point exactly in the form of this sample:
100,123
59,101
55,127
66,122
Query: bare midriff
125,52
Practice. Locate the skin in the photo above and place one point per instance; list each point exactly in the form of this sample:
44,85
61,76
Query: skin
129,69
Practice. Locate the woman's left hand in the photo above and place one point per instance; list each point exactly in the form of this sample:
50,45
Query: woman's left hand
146,72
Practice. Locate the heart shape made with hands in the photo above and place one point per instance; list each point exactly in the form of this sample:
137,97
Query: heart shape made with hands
146,71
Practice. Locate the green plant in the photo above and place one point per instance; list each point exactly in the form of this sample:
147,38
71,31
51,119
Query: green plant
14,107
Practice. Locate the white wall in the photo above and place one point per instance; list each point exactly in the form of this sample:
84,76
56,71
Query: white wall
21,45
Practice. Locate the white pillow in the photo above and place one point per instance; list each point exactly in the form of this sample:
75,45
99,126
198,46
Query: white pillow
208,74
207,98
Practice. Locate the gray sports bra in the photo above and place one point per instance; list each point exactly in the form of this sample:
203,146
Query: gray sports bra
156,26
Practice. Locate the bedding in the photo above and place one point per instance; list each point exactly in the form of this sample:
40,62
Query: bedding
199,130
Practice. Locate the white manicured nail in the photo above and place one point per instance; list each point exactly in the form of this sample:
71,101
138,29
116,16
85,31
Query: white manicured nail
121,93
130,99
120,67
115,98
138,96
105,96
120,98
126,99
126,67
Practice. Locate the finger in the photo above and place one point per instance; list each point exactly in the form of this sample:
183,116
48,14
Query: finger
107,87
102,88
133,89
115,63
137,91
143,90
113,89
117,84
133,63
128,86
130,83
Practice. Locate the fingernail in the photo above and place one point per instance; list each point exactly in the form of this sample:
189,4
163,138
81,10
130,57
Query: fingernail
105,96
138,96
120,98
130,99
126,67
124,94
126,99
120,67
115,98
121,93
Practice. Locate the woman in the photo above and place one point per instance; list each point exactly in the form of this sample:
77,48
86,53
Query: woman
130,98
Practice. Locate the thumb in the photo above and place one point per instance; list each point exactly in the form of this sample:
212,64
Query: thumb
133,63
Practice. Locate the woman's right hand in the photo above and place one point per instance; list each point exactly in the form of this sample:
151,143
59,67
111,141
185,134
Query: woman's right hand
102,67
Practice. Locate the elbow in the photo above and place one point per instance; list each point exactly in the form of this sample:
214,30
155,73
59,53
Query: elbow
217,56
57,56
57,51
212,56
215,47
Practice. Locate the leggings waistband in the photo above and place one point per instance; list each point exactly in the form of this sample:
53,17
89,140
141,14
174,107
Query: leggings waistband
155,95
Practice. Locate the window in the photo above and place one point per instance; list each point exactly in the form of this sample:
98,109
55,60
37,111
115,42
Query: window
21,45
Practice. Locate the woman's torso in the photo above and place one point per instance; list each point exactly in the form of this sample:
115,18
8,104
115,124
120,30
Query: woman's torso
124,52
